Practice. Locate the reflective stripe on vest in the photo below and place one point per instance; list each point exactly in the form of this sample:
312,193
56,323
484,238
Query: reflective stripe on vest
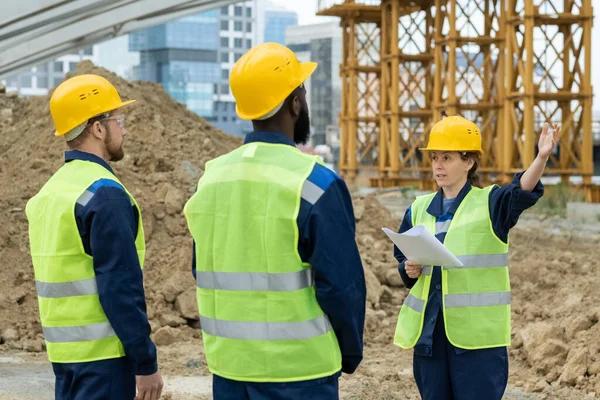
57,290
414,303
66,334
482,261
266,330
255,280
477,299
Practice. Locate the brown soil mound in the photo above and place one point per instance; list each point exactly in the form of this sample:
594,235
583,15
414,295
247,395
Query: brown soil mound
166,148
555,280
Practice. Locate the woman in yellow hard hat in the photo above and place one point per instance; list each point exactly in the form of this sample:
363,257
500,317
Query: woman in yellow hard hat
457,319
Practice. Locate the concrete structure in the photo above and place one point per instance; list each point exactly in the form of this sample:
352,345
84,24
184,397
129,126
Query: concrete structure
34,32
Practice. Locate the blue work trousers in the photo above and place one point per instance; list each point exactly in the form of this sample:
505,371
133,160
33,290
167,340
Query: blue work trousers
316,389
451,373
112,379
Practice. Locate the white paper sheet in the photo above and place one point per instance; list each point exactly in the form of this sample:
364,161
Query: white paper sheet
419,245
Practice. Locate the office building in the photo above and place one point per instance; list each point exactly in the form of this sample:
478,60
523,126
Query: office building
183,56
321,43
239,30
193,57
277,19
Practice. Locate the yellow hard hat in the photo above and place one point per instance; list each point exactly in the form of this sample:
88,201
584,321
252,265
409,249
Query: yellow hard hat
454,134
264,77
80,98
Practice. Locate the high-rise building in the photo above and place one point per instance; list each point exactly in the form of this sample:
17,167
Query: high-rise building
321,43
277,19
183,56
239,30
193,56
114,55
41,78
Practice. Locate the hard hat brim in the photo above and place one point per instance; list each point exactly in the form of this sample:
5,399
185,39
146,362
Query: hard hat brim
308,68
123,104
431,149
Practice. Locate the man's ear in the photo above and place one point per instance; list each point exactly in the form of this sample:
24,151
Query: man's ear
97,130
296,106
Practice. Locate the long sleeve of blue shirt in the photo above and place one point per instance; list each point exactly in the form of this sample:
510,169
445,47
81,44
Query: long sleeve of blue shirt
405,225
110,223
328,243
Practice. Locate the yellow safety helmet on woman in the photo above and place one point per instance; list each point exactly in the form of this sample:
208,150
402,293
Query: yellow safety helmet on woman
80,98
454,134
264,77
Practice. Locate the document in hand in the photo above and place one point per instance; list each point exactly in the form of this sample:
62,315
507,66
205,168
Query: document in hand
419,245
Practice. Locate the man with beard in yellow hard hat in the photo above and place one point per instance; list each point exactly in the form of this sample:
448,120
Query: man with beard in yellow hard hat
87,246
280,283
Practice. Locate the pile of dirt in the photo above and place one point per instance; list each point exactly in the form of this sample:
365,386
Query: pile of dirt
556,309
166,149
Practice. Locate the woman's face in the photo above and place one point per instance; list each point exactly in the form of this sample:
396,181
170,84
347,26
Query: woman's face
449,169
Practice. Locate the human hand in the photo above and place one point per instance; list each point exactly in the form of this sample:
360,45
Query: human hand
548,140
149,387
413,270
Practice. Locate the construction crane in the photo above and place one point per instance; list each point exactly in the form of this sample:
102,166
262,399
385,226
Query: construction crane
508,65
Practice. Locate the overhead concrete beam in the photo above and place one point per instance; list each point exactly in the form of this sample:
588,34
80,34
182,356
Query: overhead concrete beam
61,36
15,10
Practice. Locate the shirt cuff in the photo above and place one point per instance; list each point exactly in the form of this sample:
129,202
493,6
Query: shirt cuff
350,363
146,369
408,282
523,197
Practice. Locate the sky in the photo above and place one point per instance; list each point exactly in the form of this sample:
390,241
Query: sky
307,15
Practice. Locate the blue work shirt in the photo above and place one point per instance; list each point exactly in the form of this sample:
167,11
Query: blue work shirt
326,228
506,204
108,225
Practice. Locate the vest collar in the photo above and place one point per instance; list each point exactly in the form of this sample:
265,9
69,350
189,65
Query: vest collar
71,155
435,207
268,137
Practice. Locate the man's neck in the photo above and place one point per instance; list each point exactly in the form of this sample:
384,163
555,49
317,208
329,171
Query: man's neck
92,150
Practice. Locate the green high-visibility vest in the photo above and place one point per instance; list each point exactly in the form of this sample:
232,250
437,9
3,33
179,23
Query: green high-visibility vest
259,315
73,322
476,296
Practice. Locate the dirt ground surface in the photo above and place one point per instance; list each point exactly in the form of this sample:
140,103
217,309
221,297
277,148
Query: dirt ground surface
554,270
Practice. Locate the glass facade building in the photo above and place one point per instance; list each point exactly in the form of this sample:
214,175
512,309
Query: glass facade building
193,57
183,57
276,21
321,43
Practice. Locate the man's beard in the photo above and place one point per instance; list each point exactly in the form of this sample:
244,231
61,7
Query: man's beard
113,154
302,127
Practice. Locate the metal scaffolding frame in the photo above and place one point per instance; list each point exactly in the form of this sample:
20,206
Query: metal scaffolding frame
507,65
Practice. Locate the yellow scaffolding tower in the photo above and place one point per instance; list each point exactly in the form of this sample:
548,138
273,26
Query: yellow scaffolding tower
508,65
